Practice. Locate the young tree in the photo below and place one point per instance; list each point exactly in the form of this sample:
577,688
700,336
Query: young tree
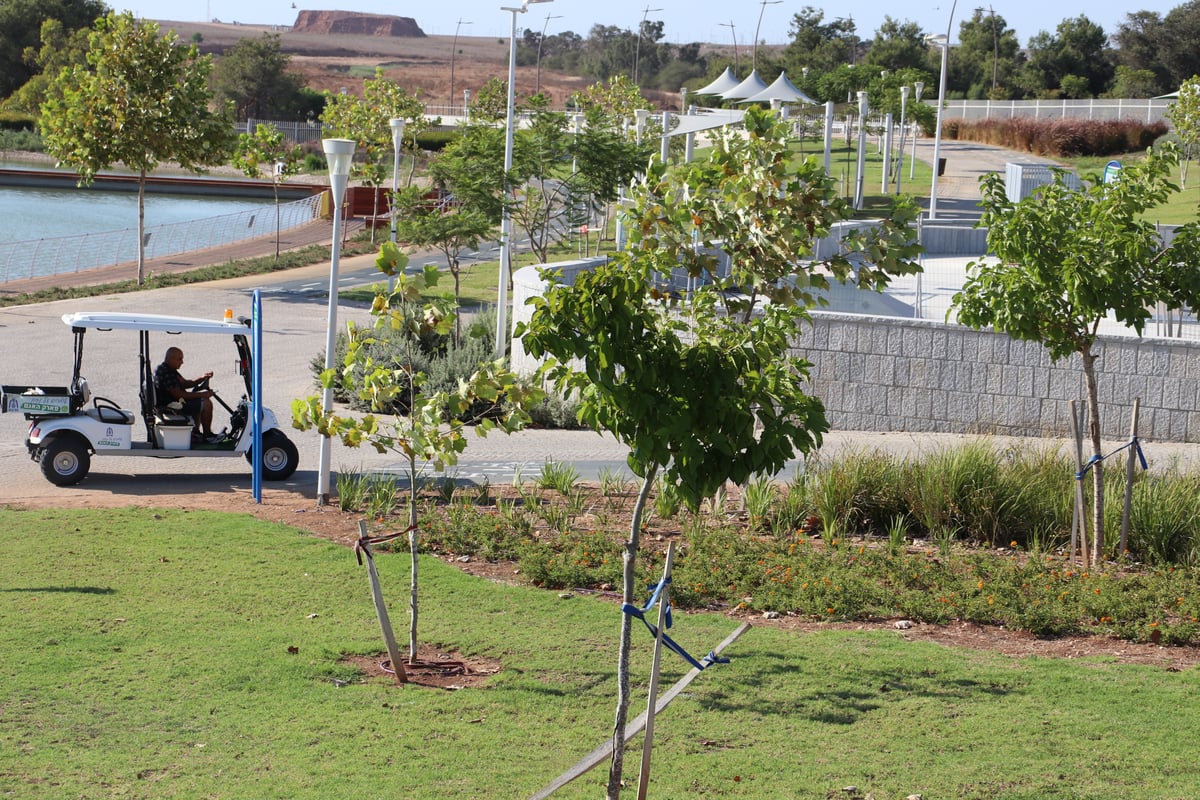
142,99
1185,118
1067,259
267,147
706,389
423,435
366,120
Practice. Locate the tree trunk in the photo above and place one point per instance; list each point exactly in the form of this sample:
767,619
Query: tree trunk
412,550
630,564
141,229
275,186
1089,372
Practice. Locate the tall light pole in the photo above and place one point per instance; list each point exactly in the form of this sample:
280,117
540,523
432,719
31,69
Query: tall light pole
397,126
453,51
733,33
538,90
995,44
763,7
944,43
339,153
637,50
904,90
919,87
506,218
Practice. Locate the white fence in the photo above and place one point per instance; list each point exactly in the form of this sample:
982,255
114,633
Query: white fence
1152,110
66,254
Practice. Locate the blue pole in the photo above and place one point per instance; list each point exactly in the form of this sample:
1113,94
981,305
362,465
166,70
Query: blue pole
256,392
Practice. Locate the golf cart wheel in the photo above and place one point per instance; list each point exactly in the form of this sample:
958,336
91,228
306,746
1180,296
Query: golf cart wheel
280,457
65,461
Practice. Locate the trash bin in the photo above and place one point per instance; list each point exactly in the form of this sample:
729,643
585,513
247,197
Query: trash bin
941,167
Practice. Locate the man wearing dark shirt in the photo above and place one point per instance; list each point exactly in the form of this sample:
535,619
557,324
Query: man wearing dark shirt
170,386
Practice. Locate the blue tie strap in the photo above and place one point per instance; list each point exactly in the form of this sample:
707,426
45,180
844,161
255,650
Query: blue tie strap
671,644
1133,442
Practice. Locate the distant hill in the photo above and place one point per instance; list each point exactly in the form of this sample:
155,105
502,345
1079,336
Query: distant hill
356,24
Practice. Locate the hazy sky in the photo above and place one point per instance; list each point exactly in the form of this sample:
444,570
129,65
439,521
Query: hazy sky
684,20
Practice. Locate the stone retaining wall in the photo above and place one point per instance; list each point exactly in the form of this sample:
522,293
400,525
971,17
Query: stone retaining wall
879,373
884,374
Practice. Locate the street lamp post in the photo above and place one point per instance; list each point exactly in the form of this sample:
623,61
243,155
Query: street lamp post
546,25
904,90
397,126
506,218
943,43
919,86
733,33
762,7
862,150
637,50
453,51
339,152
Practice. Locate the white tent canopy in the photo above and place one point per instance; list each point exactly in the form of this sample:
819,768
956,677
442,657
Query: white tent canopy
782,90
724,82
747,88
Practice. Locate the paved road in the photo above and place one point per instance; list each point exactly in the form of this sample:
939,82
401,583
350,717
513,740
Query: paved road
38,349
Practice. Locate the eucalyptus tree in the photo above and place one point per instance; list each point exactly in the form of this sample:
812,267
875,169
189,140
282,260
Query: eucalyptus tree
142,99
1064,260
706,388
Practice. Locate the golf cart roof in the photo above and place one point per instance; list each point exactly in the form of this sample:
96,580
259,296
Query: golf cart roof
115,320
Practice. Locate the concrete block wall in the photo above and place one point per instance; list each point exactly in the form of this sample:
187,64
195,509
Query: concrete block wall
885,374
878,373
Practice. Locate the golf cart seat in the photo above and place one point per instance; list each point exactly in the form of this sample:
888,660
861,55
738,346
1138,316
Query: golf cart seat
164,414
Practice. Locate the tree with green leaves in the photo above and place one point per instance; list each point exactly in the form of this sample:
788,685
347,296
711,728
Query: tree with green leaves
704,387
1066,260
142,99
988,53
253,75
1184,114
423,435
268,148
21,24
366,120
60,49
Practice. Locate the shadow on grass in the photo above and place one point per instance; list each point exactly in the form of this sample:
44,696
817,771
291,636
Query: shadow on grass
60,589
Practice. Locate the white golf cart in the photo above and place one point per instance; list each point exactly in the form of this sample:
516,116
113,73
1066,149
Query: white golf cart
67,426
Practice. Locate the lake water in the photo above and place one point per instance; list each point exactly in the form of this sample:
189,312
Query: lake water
51,213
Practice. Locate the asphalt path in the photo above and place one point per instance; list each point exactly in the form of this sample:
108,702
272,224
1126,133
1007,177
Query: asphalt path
37,349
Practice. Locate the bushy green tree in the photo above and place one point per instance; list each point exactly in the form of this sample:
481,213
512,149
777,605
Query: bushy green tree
706,389
21,29
1065,260
142,99
253,75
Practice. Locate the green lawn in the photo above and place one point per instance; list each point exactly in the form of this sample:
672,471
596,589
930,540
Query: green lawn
145,654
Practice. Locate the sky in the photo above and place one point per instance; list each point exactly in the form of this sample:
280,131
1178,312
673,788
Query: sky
684,20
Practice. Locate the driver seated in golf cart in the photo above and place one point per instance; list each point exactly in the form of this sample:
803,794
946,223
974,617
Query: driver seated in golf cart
176,394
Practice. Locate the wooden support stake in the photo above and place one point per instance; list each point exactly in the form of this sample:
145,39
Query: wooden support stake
385,624
604,751
1129,473
664,599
